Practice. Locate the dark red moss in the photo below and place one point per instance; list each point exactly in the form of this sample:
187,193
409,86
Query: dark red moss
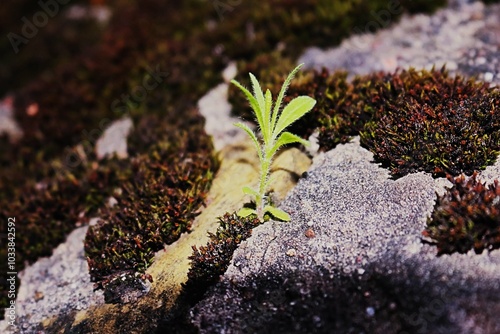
159,200
344,106
94,86
411,120
73,102
433,122
209,262
86,87
466,217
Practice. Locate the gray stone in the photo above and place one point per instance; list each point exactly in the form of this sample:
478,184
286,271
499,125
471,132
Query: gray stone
366,269
422,41
8,124
218,120
55,285
114,139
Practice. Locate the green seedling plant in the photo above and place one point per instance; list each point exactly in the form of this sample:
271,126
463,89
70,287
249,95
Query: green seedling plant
272,122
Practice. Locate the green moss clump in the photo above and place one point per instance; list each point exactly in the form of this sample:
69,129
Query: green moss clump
466,217
435,123
209,262
159,201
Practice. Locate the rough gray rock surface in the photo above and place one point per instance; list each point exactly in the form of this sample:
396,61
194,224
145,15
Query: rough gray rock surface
363,268
465,37
114,139
8,124
218,120
55,285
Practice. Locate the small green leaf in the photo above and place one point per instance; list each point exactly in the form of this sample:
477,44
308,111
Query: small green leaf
277,213
245,212
250,191
282,93
252,100
252,136
257,91
259,96
297,108
267,116
288,138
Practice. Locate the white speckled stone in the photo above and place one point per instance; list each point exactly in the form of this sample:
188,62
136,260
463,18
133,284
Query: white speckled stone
114,139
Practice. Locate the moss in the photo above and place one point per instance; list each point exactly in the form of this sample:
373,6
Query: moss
159,200
190,51
434,123
125,288
53,207
411,120
94,86
84,88
71,193
466,217
209,262
345,107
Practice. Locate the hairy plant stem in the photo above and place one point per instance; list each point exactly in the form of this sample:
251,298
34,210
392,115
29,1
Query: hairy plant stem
264,175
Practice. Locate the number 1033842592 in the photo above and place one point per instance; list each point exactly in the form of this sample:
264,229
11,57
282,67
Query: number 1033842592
11,243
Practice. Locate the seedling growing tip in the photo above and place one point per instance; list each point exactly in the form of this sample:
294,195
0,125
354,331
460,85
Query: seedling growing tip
271,122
